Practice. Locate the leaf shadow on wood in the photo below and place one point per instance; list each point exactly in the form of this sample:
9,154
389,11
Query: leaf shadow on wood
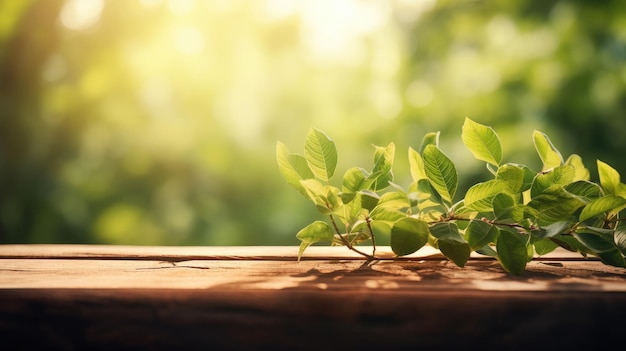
476,275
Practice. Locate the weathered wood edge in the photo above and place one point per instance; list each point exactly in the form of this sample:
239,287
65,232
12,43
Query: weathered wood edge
187,253
308,320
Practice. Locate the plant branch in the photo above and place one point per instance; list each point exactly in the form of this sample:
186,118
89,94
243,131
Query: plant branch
368,220
484,219
511,225
346,242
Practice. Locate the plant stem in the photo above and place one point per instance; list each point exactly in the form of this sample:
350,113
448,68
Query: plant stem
368,220
346,242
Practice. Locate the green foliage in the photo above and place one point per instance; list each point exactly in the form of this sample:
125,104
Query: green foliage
160,136
408,235
320,154
518,214
482,141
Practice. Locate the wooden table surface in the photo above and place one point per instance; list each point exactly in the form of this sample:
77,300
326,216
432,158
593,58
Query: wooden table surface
135,297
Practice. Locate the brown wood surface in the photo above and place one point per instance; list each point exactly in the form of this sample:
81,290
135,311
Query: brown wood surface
125,297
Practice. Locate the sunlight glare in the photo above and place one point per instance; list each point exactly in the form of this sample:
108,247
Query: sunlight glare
150,3
409,11
81,14
276,10
181,7
188,40
332,27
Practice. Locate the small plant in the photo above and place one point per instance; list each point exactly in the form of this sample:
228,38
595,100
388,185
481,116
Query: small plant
516,215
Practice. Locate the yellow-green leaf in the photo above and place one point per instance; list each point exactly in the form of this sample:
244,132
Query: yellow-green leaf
482,141
321,154
559,176
294,168
480,196
315,232
550,156
609,178
440,172
416,165
431,138
581,172
602,205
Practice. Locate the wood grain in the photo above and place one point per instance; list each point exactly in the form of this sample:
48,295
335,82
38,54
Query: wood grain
222,298
178,253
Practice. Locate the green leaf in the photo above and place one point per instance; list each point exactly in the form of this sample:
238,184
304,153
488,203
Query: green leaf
440,172
352,212
586,190
321,154
603,248
431,138
512,252
602,205
550,156
383,157
383,163
427,196
408,235
325,197
317,231
480,196
518,178
609,178
487,251
552,230
356,179
570,243
353,238
369,199
543,247
394,200
480,234
416,165
457,252
382,214
581,172
561,176
482,141
446,231
293,167
502,205
451,243
522,213
620,239
555,204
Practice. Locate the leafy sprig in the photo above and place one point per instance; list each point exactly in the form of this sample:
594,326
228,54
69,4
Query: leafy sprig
516,215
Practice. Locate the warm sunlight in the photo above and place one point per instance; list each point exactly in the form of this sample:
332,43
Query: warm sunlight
81,14
156,121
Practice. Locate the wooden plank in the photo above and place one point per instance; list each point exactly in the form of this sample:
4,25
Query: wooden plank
182,253
221,298
306,275
189,319
124,267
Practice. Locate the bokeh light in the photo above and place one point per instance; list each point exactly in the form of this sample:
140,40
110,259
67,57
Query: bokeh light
155,121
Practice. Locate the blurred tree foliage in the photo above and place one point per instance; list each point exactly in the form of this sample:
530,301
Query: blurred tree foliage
155,122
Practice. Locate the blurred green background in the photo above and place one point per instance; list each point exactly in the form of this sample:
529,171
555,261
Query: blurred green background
155,122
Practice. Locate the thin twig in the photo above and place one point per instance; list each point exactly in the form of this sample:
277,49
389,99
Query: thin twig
346,242
368,220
